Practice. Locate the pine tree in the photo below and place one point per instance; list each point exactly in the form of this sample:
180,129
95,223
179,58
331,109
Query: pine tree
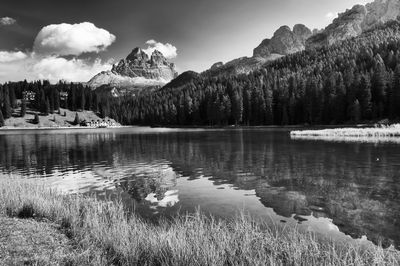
355,111
47,107
237,107
7,111
36,119
13,99
269,111
365,97
77,121
1,119
57,100
82,100
23,108
394,99
378,89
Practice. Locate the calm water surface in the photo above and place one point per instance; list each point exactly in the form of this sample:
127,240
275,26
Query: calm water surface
343,190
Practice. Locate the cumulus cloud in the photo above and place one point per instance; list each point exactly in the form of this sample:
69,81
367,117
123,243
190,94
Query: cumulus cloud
168,50
57,68
7,21
52,68
6,56
46,60
72,39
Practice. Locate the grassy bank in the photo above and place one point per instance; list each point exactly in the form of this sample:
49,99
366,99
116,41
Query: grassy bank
373,132
64,119
103,234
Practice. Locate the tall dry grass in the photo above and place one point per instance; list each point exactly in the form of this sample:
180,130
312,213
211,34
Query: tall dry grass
104,234
373,132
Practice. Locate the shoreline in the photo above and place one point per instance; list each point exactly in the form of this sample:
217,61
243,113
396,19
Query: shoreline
60,128
359,126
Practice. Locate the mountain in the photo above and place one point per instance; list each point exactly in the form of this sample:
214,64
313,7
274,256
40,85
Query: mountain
352,81
355,21
137,71
285,41
182,79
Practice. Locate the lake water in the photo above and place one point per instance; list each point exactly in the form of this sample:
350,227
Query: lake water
346,190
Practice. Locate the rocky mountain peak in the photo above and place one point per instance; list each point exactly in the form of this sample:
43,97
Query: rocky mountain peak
285,41
138,55
137,69
354,21
139,64
302,31
216,65
158,59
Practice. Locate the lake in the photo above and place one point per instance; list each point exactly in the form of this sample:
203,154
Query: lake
345,190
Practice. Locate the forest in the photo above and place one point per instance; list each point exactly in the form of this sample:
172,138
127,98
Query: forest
46,98
353,81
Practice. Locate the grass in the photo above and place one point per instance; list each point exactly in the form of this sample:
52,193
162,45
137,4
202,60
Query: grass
374,132
104,234
50,121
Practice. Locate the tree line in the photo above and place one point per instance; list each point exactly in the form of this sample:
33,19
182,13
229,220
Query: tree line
46,98
352,81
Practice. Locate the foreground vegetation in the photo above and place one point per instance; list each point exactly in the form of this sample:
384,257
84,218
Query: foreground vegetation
104,234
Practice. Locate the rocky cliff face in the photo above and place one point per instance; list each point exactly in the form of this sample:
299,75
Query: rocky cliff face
354,21
137,70
138,64
284,42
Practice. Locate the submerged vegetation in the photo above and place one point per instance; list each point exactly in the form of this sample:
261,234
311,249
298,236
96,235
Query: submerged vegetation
104,234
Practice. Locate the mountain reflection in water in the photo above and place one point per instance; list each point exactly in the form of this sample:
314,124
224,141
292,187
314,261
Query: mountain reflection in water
335,188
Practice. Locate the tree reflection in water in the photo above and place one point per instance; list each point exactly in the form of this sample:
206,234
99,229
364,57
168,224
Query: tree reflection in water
354,184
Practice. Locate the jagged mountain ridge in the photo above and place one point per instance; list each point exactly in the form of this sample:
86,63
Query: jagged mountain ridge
285,41
355,21
137,71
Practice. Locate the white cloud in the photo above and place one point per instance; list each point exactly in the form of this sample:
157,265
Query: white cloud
72,39
331,15
168,50
53,42
6,56
52,68
78,70
7,21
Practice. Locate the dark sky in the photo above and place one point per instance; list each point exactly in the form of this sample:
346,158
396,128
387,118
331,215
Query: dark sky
204,31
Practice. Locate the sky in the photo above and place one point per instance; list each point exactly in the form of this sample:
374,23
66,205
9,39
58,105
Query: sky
74,40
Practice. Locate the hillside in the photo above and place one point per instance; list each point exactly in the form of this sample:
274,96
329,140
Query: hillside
63,120
355,80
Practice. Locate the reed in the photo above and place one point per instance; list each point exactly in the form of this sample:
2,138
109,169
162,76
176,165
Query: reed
392,131
104,234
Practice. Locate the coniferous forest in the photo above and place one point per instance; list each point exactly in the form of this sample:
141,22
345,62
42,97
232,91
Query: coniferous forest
353,81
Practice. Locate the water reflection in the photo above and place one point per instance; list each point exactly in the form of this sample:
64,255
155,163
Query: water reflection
351,188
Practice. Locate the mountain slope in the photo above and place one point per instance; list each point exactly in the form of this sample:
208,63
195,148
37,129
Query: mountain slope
354,80
354,21
285,41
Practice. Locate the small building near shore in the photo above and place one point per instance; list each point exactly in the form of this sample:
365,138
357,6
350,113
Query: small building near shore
100,123
28,96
